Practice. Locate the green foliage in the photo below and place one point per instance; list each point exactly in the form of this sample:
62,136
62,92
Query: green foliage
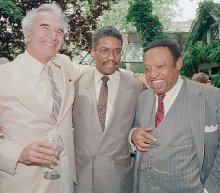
10,25
196,50
200,53
9,8
202,22
148,25
116,17
82,16
165,10
216,80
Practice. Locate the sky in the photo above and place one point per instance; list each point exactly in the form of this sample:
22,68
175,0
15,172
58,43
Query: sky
189,9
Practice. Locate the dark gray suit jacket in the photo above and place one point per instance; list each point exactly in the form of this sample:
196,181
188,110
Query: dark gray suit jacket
204,106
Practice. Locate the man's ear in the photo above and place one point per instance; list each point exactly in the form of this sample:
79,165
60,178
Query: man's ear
27,35
179,64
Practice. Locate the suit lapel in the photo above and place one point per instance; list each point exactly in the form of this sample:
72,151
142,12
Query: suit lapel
18,85
89,86
149,109
119,100
197,111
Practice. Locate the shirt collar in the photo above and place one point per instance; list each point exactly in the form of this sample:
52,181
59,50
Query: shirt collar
33,65
112,77
175,88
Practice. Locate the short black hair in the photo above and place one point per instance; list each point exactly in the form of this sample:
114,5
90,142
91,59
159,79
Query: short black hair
170,44
106,32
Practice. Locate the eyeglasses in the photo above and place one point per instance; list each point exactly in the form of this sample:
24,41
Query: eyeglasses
105,52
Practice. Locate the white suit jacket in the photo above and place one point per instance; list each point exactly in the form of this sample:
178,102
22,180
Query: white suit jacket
24,120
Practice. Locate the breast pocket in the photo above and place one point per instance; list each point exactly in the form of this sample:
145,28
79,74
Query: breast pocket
123,160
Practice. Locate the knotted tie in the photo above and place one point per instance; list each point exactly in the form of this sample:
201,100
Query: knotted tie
55,93
102,102
160,110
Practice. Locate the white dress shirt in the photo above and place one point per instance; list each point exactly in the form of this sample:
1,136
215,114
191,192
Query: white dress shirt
38,80
113,84
170,96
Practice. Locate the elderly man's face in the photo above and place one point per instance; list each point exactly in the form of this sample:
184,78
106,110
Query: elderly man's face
161,70
46,36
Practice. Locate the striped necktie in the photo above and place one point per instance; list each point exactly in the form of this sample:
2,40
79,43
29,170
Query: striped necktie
55,93
102,102
160,110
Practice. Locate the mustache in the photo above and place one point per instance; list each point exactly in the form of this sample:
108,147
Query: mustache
110,61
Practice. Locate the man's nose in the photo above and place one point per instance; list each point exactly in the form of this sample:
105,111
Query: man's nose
53,34
111,55
154,73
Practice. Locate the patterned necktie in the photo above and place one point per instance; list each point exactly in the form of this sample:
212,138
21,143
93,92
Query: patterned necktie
102,102
160,110
55,93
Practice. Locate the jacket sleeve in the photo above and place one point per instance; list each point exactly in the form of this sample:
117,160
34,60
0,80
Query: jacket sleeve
9,155
212,183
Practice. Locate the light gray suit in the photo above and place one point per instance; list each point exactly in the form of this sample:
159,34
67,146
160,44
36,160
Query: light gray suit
103,160
186,156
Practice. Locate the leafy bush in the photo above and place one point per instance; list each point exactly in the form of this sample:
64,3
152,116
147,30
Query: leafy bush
201,53
140,13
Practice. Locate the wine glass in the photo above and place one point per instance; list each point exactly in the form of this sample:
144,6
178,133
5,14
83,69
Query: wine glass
56,141
1,134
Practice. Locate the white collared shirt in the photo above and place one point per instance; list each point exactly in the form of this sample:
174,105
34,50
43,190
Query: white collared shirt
38,80
170,96
113,84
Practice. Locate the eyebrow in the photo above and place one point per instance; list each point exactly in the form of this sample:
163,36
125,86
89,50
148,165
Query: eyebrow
46,25
110,49
43,24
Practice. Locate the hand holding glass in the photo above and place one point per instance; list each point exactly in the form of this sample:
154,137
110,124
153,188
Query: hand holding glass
57,143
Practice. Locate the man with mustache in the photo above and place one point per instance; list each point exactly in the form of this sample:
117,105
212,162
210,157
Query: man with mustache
102,123
177,134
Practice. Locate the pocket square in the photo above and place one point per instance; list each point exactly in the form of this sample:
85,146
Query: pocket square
211,128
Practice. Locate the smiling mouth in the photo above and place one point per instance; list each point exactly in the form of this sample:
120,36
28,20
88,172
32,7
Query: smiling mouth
156,83
112,64
50,44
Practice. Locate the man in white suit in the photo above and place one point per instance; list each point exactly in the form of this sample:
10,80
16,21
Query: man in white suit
3,60
103,160
177,132
26,103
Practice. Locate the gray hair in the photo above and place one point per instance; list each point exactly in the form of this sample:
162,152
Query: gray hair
107,31
28,20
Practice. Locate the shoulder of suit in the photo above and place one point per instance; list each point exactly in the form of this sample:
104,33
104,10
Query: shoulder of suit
85,76
9,66
61,58
146,92
201,88
129,75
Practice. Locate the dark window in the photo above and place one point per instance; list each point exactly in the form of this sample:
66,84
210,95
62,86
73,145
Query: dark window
215,70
